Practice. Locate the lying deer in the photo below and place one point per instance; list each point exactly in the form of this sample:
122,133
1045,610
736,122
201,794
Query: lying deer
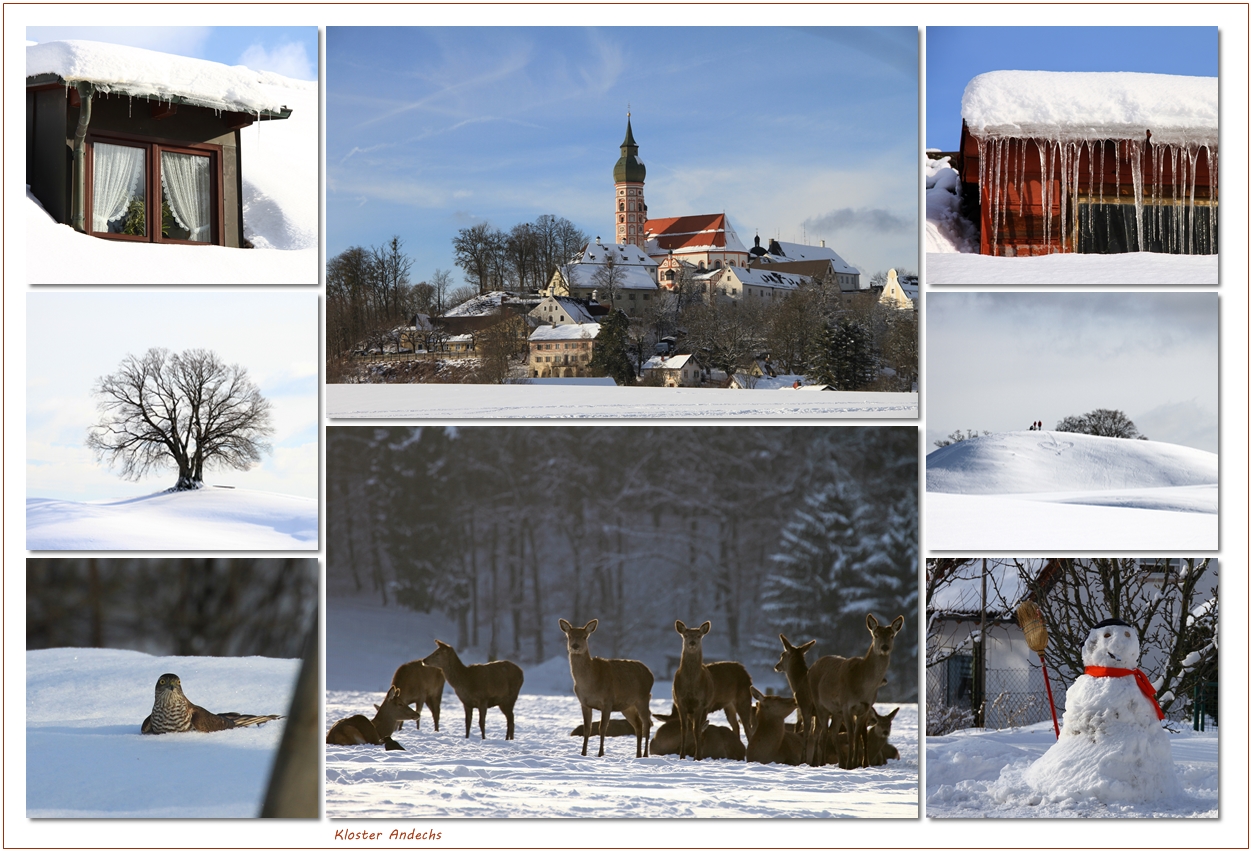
877,750
844,690
771,742
791,663
481,685
719,742
622,686
420,684
693,688
358,730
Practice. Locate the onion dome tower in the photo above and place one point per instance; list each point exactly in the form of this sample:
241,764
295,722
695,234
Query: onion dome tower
630,211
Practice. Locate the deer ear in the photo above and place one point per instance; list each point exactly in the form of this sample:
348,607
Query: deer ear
679,626
807,645
786,644
898,623
566,627
870,621
704,628
756,693
590,627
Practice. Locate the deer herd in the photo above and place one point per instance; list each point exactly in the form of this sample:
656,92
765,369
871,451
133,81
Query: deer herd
833,701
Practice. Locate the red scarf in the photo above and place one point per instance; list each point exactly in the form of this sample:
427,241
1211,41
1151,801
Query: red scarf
1140,678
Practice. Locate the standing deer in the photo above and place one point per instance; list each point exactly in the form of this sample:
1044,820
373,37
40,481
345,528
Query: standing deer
358,730
844,690
623,686
693,688
481,685
732,694
422,684
771,742
792,664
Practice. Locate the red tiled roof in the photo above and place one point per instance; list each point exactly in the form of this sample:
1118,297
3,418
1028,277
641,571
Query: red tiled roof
681,232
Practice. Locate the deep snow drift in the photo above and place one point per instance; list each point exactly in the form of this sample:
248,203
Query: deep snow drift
974,773
1026,490
208,519
280,180
434,401
541,773
85,756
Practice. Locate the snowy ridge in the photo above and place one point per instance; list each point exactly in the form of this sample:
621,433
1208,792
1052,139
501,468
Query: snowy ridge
1028,462
149,73
1137,268
1072,105
208,519
85,756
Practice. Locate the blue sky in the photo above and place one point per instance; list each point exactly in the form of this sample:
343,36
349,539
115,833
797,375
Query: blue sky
955,55
273,335
290,51
802,134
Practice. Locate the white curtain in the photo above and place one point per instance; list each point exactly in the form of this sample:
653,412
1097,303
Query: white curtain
185,178
117,177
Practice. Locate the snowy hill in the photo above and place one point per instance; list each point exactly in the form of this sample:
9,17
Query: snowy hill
85,756
208,519
1061,489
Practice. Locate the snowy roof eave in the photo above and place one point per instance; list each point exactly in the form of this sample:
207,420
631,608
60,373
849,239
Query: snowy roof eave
136,72
1079,105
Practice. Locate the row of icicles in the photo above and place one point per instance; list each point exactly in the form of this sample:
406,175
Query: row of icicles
1003,160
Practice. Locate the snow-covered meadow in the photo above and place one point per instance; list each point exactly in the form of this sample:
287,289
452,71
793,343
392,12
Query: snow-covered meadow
975,774
1033,490
85,757
280,177
207,519
541,773
557,403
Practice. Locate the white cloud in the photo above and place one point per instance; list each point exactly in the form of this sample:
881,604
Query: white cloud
289,59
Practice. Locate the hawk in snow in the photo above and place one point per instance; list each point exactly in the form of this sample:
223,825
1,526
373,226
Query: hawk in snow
173,713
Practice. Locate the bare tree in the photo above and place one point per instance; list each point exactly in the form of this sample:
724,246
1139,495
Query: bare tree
441,280
187,411
1105,422
608,280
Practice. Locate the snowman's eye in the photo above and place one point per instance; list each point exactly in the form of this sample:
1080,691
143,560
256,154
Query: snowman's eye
1107,635
1127,634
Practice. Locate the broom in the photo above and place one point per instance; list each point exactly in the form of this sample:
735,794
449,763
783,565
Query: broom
1031,622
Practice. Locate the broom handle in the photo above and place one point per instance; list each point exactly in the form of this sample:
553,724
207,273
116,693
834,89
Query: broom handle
1051,703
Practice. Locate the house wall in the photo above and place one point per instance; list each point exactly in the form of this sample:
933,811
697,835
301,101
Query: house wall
560,358
49,152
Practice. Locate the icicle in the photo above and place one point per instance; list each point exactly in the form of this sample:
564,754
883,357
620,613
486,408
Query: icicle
1134,153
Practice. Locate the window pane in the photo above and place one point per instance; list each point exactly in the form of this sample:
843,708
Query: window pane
185,215
117,190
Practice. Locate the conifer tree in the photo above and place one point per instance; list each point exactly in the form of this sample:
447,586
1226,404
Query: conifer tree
609,357
844,356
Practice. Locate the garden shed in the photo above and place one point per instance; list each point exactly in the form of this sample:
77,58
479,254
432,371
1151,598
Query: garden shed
135,145
1094,162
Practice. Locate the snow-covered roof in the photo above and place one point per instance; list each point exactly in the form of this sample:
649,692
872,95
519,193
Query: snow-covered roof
623,254
1092,105
800,251
144,73
571,331
629,277
572,310
692,234
484,305
674,362
765,277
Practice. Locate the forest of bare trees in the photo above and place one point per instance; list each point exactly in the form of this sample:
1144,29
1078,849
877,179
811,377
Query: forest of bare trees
508,529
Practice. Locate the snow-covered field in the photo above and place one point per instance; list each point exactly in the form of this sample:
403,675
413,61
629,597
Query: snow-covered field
1132,268
280,187
1032,490
207,519
86,758
974,774
537,401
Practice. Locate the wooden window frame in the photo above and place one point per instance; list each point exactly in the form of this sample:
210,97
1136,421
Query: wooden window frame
153,147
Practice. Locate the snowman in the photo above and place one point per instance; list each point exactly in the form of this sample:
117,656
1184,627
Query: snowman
1112,746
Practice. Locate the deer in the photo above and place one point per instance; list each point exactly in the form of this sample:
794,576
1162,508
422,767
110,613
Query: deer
693,688
771,742
481,685
623,686
617,728
358,730
421,684
844,689
719,742
731,694
877,750
791,663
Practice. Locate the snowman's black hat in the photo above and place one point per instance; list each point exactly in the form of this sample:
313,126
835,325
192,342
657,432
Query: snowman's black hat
1111,622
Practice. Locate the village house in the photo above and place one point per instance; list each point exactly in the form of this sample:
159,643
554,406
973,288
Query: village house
819,263
897,294
616,275
562,351
747,284
675,371
561,310
1092,162
134,145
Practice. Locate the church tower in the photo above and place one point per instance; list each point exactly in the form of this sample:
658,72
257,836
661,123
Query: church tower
630,210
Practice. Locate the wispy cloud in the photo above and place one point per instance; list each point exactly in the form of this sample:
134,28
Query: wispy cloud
863,219
289,59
